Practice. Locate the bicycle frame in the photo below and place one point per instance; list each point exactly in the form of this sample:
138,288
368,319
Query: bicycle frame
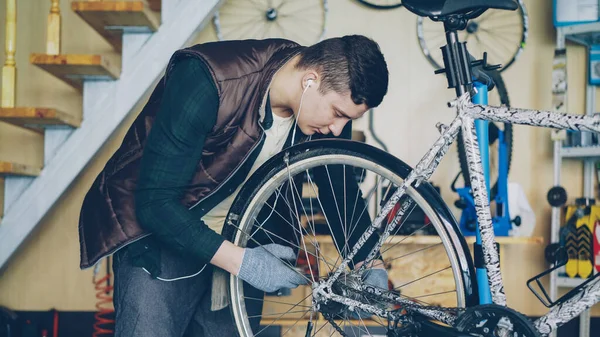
502,223
467,112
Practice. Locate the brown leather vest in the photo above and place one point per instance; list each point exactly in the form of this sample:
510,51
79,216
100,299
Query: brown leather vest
242,71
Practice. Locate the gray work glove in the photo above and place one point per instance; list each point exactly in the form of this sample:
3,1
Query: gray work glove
372,277
262,268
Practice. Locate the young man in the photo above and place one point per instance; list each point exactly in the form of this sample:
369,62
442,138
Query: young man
220,111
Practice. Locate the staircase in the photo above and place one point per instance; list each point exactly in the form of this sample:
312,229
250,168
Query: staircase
146,33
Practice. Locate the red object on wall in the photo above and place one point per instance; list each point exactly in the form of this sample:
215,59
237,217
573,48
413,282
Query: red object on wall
308,266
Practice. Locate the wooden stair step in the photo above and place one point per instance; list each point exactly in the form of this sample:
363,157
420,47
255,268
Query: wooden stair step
8,168
155,5
38,118
74,68
110,18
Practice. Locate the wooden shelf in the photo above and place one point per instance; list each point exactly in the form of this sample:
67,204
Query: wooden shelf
74,68
110,18
7,168
512,240
38,118
425,239
430,239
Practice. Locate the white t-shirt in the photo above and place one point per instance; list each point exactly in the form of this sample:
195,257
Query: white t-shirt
275,138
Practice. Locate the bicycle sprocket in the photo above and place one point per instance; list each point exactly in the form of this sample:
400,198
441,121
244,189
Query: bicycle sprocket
492,320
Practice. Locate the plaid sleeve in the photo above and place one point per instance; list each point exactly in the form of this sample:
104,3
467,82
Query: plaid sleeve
187,113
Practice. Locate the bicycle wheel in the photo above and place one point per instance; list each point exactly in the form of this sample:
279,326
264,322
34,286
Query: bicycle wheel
382,4
289,201
301,21
500,33
501,98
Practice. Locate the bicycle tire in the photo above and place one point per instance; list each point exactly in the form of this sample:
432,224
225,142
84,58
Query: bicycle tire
508,135
382,4
257,189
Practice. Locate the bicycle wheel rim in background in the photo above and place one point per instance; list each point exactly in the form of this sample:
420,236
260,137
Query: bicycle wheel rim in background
382,4
483,34
255,193
301,21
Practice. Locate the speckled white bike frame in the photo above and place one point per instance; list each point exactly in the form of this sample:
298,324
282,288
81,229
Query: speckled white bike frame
467,112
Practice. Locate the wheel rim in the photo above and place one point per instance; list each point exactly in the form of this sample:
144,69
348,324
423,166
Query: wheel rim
500,33
444,243
300,21
382,4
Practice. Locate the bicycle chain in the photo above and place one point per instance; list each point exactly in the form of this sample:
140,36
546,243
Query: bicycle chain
412,307
334,324
369,291
409,307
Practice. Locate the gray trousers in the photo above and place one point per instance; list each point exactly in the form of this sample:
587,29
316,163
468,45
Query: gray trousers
150,307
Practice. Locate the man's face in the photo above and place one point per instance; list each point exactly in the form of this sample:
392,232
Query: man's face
327,113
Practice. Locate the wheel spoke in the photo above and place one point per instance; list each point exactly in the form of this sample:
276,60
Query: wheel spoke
282,19
288,209
277,302
300,232
407,237
439,293
420,278
504,27
272,323
282,261
372,193
414,252
293,186
269,233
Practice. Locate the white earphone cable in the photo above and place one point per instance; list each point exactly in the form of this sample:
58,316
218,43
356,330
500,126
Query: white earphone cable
177,278
308,83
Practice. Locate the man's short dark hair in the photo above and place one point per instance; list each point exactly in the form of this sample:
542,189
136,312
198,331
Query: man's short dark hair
351,63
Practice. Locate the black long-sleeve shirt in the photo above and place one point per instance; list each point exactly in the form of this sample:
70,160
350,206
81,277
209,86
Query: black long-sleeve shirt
174,146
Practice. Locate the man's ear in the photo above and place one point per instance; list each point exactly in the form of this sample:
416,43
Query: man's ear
309,79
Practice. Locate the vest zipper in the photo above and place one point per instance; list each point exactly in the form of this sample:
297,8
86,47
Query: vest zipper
260,108
262,135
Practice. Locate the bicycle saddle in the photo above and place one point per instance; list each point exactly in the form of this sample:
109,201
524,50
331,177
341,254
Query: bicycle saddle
438,8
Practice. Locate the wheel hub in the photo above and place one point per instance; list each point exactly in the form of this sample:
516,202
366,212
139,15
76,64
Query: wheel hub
472,27
341,287
271,14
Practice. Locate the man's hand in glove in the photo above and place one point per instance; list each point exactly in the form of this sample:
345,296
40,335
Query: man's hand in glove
264,268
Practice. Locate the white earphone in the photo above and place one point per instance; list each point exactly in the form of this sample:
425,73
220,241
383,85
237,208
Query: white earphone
309,82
